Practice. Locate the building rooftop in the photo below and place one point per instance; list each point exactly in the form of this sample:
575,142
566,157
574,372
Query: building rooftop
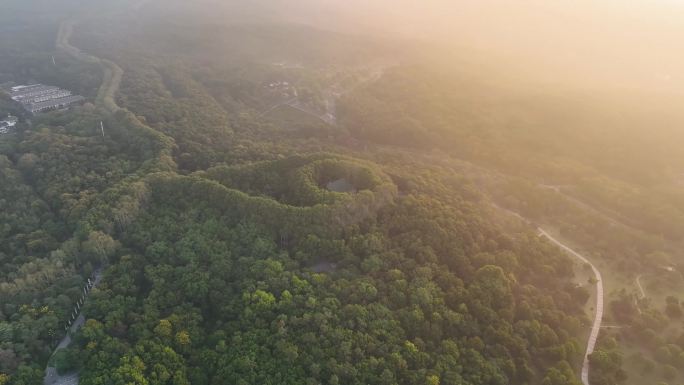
40,98
10,120
54,104
7,123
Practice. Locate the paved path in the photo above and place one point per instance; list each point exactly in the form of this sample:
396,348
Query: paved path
327,117
279,104
641,288
641,292
598,318
51,375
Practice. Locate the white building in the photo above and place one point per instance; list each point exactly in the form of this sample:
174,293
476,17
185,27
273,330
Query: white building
38,98
7,123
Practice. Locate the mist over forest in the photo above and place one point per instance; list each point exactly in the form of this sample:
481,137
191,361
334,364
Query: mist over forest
331,192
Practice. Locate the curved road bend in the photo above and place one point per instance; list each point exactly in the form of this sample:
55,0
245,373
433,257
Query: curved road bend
112,72
598,318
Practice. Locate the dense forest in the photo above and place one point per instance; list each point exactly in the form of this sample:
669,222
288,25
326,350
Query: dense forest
242,238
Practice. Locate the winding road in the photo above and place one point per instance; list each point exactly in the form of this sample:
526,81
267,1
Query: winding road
598,314
598,318
112,72
642,293
105,98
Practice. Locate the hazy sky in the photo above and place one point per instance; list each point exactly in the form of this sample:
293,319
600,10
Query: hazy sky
638,43
605,44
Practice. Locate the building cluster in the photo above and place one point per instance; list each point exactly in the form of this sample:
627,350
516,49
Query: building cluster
7,123
283,89
38,98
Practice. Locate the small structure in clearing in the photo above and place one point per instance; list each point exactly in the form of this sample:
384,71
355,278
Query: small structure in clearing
38,98
341,185
7,123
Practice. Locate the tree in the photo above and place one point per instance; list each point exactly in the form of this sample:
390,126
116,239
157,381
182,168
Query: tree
672,307
67,360
183,338
100,244
164,328
131,371
606,367
432,380
669,372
